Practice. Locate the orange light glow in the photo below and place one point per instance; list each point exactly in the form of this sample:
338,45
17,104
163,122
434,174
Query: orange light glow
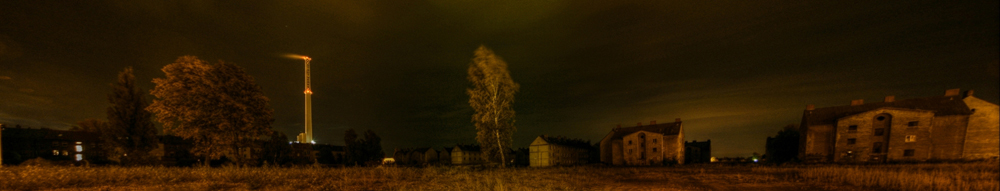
308,91
297,56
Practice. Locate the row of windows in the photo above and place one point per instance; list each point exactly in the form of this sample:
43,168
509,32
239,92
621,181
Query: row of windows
909,139
906,153
854,128
630,142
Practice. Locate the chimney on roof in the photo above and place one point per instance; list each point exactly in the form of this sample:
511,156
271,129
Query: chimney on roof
952,92
967,93
810,107
638,124
617,128
889,99
857,102
653,122
678,120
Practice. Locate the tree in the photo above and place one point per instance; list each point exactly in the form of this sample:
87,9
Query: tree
217,106
89,125
492,97
373,148
129,133
784,147
363,151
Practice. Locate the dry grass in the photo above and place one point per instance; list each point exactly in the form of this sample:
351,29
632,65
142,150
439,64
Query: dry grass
689,177
951,177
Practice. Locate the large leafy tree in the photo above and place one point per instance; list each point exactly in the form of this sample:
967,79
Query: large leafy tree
129,132
492,98
217,106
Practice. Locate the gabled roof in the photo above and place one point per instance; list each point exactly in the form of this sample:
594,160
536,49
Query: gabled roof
940,105
559,140
663,128
468,147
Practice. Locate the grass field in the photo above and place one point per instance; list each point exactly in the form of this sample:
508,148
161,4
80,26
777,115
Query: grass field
971,176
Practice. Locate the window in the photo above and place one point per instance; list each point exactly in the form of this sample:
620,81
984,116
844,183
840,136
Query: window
851,141
911,138
654,149
629,142
852,128
913,123
879,131
908,152
65,153
654,140
55,152
877,147
79,148
629,150
79,157
880,118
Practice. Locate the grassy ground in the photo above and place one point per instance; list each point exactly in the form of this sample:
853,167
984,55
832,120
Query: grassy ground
688,177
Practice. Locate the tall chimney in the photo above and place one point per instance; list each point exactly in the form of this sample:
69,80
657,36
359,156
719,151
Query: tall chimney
810,107
952,92
889,99
857,102
968,93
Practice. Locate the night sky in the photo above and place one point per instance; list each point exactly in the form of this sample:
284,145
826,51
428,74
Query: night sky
734,71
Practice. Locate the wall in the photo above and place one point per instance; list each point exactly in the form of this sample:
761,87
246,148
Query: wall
947,134
861,150
817,142
983,132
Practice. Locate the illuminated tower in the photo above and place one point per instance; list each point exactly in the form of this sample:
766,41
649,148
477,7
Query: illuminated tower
307,137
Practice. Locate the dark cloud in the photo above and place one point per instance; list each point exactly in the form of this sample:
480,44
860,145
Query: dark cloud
735,71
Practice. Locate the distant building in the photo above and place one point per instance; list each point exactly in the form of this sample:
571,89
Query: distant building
21,144
402,156
653,144
949,127
467,154
444,157
698,152
558,151
430,156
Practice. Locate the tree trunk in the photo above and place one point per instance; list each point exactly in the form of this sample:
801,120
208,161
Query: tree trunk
503,160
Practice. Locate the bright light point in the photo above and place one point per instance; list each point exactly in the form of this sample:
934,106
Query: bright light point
308,91
754,160
313,142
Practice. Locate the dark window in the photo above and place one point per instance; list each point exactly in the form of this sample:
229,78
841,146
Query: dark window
630,142
879,131
913,123
851,141
880,118
654,140
852,128
877,147
908,152
654,149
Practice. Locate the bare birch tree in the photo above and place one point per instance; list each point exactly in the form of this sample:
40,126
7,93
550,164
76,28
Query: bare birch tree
492,97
